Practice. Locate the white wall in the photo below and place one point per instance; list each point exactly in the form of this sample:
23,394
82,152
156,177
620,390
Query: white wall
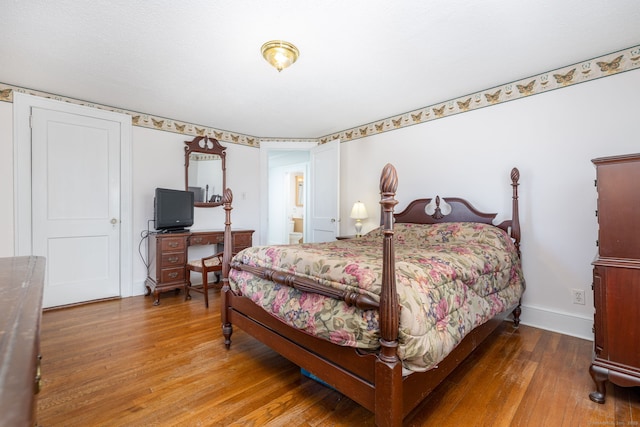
6,179
551,138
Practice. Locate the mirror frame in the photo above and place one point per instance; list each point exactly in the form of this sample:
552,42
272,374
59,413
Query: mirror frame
207,145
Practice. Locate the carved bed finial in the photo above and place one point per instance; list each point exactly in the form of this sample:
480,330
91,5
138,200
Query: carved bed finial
227,196
388,179
515,175
388,187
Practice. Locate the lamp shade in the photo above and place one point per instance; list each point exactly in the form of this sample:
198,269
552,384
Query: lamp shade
359,211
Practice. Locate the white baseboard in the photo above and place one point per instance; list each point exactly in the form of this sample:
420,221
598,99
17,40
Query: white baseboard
563,323
139,288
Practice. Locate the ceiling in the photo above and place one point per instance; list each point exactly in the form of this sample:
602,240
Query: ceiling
360,61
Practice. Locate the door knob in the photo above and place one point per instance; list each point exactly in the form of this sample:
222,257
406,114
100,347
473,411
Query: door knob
114,221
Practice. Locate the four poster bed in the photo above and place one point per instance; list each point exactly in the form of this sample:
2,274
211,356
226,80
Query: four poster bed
386,317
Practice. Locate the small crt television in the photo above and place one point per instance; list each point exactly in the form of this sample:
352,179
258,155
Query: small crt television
173,209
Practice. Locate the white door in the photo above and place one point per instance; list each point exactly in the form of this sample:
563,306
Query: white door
76,205
324,192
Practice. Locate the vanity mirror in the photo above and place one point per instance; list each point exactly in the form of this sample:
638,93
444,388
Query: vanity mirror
205,170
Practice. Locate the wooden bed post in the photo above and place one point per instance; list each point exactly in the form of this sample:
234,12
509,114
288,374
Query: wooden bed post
388,370
515,232
227,329
389,321
515,215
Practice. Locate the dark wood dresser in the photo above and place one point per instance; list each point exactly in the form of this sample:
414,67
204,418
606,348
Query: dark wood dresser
168,256
21,288
616,275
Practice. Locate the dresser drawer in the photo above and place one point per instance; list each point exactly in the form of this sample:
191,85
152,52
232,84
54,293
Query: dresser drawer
241,241
169,244
173,259
168,275
210,239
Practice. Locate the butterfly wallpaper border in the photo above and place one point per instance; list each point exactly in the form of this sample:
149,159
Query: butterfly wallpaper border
603,66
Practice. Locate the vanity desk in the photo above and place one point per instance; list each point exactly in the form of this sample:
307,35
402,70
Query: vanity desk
205,177
168,256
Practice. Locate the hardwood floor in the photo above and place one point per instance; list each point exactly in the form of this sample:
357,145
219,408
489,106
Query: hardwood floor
128,363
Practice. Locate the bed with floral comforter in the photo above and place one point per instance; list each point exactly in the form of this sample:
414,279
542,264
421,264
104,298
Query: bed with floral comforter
451,278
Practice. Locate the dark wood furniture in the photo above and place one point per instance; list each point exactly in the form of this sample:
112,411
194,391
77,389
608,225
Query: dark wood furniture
616,275
374,380
351,236
204,266
21,288
168,256
207,158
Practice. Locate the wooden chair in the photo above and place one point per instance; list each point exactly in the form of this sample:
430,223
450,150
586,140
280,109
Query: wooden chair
204,266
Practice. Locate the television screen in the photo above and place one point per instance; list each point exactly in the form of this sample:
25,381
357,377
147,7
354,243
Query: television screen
173,209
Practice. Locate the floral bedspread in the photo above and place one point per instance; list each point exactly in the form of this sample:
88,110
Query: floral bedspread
450,278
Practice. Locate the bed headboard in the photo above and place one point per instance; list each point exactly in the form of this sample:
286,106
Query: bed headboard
461,211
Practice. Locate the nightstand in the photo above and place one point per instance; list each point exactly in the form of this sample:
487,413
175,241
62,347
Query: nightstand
351,236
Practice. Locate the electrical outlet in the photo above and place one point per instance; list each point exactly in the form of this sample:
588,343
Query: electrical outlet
578,296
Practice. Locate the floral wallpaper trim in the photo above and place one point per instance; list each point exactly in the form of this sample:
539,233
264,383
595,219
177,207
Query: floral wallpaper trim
603,66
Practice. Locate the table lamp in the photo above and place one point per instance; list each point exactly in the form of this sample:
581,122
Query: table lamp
359,212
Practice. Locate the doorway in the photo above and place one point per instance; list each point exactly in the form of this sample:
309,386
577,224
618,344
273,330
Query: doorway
288,171
321,188
275,157
73,187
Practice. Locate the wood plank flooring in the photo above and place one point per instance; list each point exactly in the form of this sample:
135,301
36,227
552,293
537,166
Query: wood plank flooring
129,363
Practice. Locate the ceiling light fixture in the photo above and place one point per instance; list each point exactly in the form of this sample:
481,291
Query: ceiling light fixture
280,53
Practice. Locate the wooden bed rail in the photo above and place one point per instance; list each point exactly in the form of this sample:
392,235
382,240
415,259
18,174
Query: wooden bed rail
304,284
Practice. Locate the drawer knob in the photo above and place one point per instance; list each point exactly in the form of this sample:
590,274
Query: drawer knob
173,275
173,259
173,244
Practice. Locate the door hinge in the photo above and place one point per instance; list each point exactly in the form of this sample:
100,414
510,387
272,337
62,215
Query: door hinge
31,121
595,182
596,213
